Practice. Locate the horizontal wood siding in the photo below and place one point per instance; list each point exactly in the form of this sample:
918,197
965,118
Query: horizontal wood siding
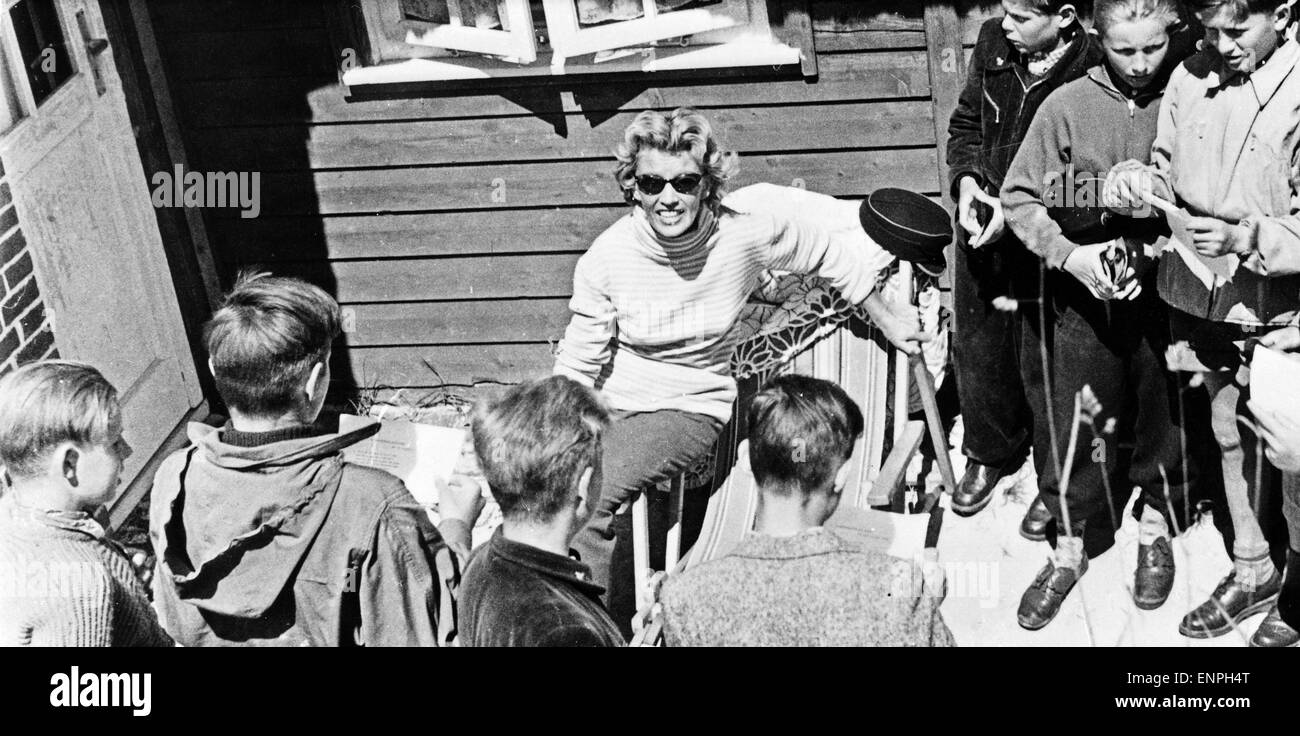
448,225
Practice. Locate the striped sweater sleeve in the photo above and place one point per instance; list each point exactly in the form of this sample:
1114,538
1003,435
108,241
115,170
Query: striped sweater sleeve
818,235
585,349
78,609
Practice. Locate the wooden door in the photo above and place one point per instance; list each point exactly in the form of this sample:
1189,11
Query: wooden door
84,206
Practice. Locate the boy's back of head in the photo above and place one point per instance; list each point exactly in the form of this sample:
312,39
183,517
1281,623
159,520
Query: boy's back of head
264,340
801,430
50,402
535,441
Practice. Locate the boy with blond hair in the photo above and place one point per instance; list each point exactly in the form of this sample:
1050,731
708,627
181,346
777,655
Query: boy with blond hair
63,582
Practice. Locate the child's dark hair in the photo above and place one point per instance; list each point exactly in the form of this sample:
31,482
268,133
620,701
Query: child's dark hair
801,430
1082,8
535,441
266,337
1240,8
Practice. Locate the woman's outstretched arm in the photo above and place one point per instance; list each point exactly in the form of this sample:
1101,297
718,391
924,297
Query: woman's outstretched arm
585,349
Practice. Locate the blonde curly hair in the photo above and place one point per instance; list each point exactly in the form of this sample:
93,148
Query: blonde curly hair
683,130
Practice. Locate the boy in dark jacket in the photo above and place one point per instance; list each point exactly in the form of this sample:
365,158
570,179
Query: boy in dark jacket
264,535
1038,46
539,446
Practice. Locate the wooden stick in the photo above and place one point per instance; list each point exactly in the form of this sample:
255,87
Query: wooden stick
902,388
938,439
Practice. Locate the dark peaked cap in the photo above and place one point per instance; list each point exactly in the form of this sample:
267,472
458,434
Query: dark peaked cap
908,225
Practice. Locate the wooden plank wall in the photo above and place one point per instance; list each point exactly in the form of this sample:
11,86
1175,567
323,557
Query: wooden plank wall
448,226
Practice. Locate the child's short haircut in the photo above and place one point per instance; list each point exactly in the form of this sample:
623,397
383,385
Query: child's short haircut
801,430
534,443
266,337
1050,7
1239,8
1107,13
46,403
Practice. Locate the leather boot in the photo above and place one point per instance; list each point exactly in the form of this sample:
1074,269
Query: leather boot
1043,599
1274,633
975,489
1154,577
1229,605
1034,526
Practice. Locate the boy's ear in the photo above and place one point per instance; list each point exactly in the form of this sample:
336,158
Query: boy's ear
211,368
584,486
841,478
315,381
64,461
1068,14
1282,17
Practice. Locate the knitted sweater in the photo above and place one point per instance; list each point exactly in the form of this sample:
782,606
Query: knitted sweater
653,317
64,583
812,589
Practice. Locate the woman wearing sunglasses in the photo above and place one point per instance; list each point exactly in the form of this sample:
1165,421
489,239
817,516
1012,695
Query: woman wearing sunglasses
657,294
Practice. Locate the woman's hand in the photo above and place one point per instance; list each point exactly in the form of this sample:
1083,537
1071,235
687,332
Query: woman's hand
1281,437
1085,263
1213,237
901,325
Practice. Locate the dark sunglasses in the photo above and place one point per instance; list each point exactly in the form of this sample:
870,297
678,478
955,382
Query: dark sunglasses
684,184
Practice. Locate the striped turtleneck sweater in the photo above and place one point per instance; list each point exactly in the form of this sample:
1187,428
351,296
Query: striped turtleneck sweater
653,317
64,583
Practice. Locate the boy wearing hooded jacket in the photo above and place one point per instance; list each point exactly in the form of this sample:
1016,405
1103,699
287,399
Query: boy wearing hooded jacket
264,535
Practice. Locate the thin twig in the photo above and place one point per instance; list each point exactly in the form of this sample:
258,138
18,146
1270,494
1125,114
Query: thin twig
1065,509
1182,442
1105,476
1047,365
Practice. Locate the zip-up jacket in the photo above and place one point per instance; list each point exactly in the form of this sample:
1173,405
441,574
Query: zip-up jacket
1052,193
999,101
1228,146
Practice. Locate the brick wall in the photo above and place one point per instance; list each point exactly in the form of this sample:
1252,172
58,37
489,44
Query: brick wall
25,331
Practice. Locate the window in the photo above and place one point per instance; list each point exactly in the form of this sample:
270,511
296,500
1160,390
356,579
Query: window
443,40
37,47
410,29
587,26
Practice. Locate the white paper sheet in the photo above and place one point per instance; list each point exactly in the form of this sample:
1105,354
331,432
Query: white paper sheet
1274,382
1212,271
423,456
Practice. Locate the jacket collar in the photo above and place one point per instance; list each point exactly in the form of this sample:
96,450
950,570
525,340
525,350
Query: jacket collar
1264,81
76,523
1101,75
1006,57
808,543
566,569
1267,80
259,455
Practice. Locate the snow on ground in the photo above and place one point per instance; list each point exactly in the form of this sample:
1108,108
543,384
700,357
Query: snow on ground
989,565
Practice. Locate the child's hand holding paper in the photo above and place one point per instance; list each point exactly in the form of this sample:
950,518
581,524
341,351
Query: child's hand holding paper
1275,398
1185,231
1215,238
